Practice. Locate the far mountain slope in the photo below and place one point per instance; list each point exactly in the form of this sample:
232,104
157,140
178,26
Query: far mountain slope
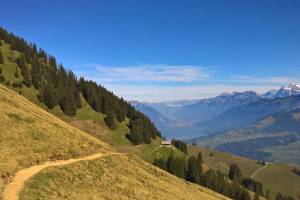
276,137
164,124
244,115
285,91
206,109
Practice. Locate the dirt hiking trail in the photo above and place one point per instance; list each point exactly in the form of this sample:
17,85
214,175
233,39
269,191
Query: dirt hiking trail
12,189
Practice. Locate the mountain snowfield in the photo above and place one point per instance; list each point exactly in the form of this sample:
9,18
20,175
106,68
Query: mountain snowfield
284,91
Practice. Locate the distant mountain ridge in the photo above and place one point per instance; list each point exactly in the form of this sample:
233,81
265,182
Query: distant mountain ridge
217,114
289,90
206,109
276,137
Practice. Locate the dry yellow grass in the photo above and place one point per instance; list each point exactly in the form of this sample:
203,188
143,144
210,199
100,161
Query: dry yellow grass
112,177
221,161
30,135
13,188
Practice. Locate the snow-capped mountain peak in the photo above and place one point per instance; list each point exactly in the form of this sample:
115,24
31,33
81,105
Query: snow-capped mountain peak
284,91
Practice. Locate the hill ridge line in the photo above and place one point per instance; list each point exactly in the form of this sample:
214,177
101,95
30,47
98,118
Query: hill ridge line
12,189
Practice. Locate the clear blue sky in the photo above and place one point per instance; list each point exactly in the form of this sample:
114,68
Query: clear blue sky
161,50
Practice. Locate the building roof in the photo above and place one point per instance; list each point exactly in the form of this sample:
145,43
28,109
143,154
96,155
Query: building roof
166,142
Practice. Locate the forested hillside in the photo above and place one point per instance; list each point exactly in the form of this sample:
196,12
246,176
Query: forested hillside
58,86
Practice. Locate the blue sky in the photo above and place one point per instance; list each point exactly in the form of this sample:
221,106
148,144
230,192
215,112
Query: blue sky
165,50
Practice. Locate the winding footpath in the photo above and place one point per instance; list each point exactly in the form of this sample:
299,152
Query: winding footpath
12,189
259,170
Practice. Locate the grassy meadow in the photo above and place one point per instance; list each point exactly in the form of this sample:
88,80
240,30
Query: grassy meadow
112,177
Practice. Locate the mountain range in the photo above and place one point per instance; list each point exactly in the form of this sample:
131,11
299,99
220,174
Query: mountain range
215,122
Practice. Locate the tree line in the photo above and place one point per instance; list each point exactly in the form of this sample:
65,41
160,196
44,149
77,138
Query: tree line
191,170
58,86
232,185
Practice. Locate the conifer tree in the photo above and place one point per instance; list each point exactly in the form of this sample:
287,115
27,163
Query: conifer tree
24,70
1,57
180,145
17,72
48,95
111,122
161,163
200,158
2,79
68,103
35,74
235,174
193,170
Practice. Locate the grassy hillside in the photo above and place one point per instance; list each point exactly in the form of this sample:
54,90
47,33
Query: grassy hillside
30,135
275,177
221,161
280,177
113,177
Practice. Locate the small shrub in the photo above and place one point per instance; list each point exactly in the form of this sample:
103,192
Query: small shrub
2,79
17,84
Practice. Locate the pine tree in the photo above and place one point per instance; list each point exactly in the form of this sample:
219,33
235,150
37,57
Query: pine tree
161,163
68,103
1,57
35,75
180,145
111,122
24,70
48,95
235,174
2,79
17,72
200,158
193,170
